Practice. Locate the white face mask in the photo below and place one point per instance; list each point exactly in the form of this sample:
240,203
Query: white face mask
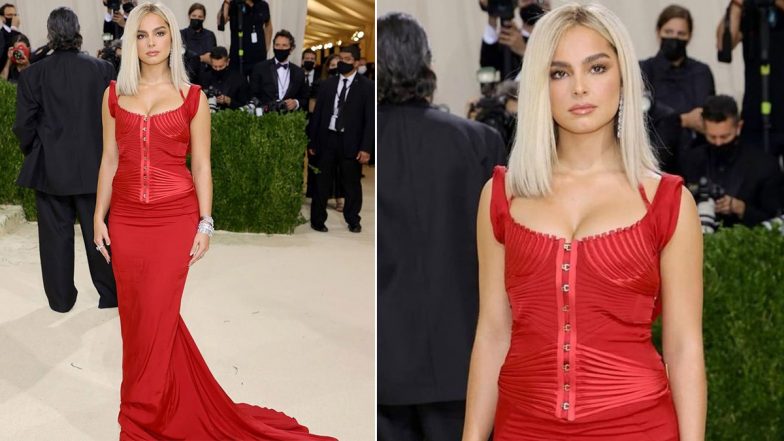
362,70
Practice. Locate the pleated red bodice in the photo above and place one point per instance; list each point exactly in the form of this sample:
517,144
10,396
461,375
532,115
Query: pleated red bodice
582,314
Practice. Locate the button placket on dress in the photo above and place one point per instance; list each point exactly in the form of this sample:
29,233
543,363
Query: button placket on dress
145,159
566,335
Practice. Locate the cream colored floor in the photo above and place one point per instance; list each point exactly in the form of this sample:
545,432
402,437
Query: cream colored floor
285,322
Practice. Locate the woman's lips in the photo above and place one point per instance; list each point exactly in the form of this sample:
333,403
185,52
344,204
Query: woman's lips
152,53
582,109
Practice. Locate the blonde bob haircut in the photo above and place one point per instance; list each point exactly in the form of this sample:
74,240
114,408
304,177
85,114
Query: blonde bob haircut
534,155
128,77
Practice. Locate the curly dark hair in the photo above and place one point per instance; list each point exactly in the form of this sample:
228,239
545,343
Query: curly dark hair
63,30
285,34
404,72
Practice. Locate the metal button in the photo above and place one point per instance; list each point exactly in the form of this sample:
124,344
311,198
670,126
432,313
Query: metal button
565,405
566,347
566,367
144,129
567,387
565,308
565,267
568,246
145,138
565,287
567,327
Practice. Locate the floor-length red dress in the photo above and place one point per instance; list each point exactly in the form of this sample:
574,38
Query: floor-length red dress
581,365
167,392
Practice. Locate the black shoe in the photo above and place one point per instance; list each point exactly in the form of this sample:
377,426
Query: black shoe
319,228
356,228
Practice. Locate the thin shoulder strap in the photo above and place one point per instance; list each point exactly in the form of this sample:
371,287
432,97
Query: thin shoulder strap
499,203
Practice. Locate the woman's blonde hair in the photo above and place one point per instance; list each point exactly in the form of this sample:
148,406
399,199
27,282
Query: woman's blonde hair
128,77
534,155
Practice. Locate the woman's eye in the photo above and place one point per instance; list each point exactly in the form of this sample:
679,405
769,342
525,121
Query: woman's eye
140,36
598,68
557,74
161,33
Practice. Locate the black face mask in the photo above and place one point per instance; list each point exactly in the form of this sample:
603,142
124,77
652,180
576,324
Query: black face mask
332,72
673,49
344,68
308,65
127,7
220,74
282,54
8,21
724,152
531,13
196,24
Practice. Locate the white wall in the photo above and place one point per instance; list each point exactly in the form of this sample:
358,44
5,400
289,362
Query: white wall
286,14
455,28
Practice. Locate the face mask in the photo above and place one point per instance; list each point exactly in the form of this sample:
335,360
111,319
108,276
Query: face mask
219,74
196,24
362,70
282,54
332,72
531,13
127,7
308,65
344,68
8,22
726,149
673,49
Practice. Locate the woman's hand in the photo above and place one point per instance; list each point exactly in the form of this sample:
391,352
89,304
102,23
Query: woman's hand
201,243
101,238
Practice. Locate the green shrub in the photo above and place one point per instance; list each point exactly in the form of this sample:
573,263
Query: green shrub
257,168
743,319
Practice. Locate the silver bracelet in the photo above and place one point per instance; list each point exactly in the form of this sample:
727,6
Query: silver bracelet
205,228
207,219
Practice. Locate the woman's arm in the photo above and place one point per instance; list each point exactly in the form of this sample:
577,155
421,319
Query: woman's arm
201,171
109,160
493,331
681,288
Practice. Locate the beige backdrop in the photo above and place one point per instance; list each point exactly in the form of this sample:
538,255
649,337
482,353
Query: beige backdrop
455,30
33,14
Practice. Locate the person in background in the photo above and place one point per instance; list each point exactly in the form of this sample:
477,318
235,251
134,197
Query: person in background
749,178
679,85
256,32
277,80
9,31
228,86
427,294
114,20
330,67
18,58
311,77
198,42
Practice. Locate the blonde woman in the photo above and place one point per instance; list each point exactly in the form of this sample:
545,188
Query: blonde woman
582,243
160,226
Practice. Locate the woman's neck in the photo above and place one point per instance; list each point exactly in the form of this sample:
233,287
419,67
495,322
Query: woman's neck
588,153
153,74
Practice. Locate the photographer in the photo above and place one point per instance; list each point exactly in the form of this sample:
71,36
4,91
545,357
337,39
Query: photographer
508,36
116,13
745,26
9,31
679,85
743,182
198,42
498,109
111,52
252,18
18,58
277,82
227,87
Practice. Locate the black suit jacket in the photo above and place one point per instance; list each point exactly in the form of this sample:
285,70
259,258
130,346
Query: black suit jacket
434,167
358,115
264,84
58,122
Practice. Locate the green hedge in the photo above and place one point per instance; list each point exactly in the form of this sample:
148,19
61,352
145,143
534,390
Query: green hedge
257,168
743,331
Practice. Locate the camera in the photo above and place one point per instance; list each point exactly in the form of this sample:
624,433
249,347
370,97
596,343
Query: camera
491,108
212,98
276,106
114,5
20,52
706,194
503,9
109,51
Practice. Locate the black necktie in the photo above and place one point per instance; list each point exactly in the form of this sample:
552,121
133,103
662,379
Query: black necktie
341,101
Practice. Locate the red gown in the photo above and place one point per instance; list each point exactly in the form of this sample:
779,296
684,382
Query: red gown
167,389
581,365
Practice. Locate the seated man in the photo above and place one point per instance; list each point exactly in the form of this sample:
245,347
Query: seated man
279,82
228,86
745,183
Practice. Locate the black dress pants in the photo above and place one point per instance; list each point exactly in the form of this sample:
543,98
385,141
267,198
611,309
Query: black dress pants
330,158
56,217
422,422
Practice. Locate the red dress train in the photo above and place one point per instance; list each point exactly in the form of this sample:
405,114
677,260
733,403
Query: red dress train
167,389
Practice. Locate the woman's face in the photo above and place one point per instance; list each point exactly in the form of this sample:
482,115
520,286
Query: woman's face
333,63
153,40
197,14
675,28
585,81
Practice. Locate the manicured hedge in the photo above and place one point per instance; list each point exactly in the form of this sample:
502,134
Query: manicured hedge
257,167
743,331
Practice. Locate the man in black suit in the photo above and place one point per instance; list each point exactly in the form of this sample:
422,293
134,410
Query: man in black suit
228,86
8,31
58,124
311,77
277,79
434,167
342,135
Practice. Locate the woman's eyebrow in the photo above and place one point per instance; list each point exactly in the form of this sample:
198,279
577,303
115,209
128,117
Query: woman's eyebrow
587,60
156,29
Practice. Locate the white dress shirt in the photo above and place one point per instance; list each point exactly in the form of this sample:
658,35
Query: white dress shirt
334,118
